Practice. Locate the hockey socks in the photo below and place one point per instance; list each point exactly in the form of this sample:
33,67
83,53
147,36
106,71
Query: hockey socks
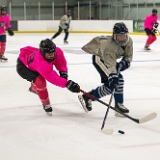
39,86
150,40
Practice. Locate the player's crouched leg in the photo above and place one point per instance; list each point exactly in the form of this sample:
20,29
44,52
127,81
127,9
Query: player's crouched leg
36,81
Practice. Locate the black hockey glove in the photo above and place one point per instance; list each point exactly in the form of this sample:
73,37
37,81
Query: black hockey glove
64,75
73,87
154,30
155,25
66,24
10,32
113,81
124,64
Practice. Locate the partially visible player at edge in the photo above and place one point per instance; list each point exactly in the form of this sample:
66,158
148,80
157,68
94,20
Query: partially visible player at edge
4,25
150,27
36,65
106,50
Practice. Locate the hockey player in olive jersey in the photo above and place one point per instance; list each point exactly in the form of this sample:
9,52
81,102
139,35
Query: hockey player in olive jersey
106,50
64,25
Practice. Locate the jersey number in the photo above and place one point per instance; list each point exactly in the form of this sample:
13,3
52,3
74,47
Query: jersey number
30,58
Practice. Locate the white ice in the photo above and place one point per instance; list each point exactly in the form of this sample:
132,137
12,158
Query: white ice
27,133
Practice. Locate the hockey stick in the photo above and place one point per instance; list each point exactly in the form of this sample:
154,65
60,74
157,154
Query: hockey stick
106,130
109,131
142,120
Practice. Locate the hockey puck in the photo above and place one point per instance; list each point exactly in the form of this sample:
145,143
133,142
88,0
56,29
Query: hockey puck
119,131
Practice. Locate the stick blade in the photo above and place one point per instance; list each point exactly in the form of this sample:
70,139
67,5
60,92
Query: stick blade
107,131
148,118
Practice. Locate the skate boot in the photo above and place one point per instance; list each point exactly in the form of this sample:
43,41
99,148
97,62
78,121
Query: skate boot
147,48
66,42
2,57
121,108
48,109
86,102
32,91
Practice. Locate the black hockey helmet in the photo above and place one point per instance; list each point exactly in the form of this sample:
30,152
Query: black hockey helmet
120,28
47,46
68,13
3,8
154,10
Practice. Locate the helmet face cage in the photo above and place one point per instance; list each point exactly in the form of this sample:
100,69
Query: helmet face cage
120,28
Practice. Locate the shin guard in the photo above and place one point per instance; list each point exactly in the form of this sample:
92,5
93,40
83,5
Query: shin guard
3,48
41,89
153,39
0,49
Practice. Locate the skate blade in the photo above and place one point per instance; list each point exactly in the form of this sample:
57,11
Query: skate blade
119,115
82,103
49,113
3,61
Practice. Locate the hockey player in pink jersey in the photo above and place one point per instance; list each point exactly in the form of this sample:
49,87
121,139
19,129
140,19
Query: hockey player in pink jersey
36,65
150,27
4,25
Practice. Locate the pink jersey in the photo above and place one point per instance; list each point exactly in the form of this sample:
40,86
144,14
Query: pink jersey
34,60
149,21
4,23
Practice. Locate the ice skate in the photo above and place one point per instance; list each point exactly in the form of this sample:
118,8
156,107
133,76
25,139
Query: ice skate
121,108
66,42
48,109
3,58
146,48
86,102
32,91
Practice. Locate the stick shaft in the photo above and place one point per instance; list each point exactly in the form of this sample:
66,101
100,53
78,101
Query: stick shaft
105,117
110,101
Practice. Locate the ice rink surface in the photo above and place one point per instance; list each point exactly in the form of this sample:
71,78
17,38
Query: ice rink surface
27,133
